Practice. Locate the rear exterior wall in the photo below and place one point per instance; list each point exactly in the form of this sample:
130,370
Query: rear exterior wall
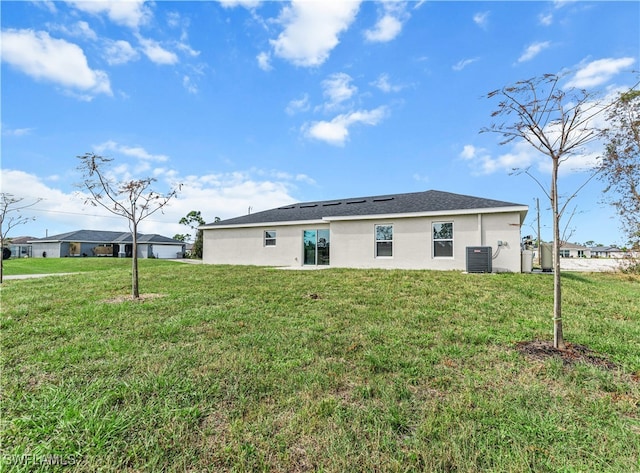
353,245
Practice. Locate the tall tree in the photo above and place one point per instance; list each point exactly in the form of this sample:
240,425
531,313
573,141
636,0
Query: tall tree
193,220
557,123
131,199
10,217
620,165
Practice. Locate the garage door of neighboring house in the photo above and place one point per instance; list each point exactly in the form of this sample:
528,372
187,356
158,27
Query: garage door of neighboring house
165,251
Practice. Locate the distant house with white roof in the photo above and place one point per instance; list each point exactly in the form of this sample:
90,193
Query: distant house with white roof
607,252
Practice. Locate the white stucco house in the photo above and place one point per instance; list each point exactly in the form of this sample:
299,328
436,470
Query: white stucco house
421,230
105,243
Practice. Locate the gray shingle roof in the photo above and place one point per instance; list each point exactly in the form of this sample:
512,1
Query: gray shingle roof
415,202
101,236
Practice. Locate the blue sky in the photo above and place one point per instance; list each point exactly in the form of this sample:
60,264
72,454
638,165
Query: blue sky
252,104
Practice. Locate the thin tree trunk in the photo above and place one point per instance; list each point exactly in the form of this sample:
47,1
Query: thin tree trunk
135,292
558,338
1,251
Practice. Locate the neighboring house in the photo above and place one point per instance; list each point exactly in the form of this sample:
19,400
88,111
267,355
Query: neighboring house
105,243
422,230
572,250
19,246
607,252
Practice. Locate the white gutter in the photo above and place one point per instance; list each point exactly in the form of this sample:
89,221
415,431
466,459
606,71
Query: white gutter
263,224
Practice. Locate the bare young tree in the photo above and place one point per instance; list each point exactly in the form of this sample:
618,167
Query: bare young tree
132,199
558,123
10,217
620,166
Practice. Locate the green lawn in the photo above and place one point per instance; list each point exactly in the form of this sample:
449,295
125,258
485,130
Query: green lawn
64,265
254,369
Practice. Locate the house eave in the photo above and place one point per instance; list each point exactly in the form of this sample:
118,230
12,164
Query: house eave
438,213
263,224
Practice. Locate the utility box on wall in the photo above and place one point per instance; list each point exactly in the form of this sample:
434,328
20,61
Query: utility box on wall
479,259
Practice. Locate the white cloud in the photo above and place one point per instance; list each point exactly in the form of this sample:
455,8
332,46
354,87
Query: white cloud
16,131
600,71
119,52
386,29
420,177
337,89
79,29
223,195
545,19
57,212
384,84
42,57
311,30
250,4
389,24
130,13
468,152
336,131
522,155
264,61
136,152
464,63
185,48
533,50
83,30
142,156
481,19
174,20
156,53
49,5
298,105
188,84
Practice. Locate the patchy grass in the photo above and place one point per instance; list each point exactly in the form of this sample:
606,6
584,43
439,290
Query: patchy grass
254,369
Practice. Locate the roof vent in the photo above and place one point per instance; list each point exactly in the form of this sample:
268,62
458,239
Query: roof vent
331,203
382,199
306,206
287,207
357,201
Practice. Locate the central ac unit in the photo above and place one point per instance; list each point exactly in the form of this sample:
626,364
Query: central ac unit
479,259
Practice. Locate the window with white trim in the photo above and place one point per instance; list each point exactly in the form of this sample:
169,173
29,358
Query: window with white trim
270,238
443,240
384,240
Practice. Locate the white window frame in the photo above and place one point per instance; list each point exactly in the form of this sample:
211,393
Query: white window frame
376,241
269,238
434,240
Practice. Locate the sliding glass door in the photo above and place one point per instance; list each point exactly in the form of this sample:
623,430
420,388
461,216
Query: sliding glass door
316,247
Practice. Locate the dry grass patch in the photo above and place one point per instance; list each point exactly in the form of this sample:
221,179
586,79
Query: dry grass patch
130,298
